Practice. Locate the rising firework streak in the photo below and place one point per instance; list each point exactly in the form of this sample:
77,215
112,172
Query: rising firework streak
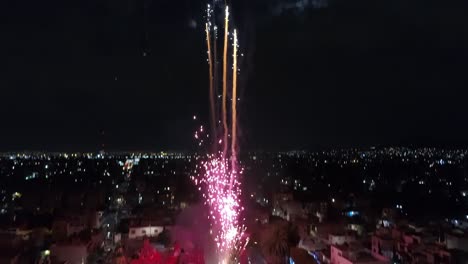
212,91
234,102
224,106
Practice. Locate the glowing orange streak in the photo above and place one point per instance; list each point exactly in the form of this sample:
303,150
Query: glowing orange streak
234,102
224,107
212,96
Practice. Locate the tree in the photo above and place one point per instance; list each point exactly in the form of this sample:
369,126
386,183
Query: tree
278,240
164,238
116,257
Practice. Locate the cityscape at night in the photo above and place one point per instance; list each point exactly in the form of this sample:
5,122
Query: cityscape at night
234,132
101,207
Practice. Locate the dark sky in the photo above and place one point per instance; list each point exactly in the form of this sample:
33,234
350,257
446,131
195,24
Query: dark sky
357,73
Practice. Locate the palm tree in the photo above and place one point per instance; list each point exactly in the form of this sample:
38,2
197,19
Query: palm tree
293,237
277,242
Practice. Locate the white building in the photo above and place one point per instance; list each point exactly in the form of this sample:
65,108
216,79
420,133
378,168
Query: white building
137,232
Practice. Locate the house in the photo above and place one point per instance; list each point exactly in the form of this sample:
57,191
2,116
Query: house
383,246
340,238
410,245
76,249
136,232
457,239
141,228
72,223
353,254
72,252
323,230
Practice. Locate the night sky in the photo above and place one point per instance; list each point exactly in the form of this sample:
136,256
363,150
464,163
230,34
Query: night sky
356,73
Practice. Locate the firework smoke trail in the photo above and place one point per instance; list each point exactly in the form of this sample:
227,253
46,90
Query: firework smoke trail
234,104
224,107
212,91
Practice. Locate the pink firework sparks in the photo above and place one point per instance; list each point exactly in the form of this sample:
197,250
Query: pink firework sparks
223,201
221,190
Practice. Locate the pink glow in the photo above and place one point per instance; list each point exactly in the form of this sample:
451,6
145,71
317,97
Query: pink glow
223,201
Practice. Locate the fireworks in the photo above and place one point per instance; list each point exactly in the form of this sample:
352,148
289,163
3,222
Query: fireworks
234,102
224,107
218,175
222,197
210,63
221,191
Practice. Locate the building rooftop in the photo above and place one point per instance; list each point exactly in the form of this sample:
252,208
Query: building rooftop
458,233
148,222
364,257
349,247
